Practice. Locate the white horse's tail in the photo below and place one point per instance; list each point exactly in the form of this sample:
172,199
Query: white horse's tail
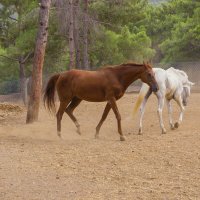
143,91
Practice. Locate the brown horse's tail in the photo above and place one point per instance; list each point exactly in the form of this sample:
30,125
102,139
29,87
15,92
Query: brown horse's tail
49,93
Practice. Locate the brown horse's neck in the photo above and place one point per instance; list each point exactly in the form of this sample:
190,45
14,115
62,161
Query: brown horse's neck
128,73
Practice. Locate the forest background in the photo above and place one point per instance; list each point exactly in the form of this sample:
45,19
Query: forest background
105,32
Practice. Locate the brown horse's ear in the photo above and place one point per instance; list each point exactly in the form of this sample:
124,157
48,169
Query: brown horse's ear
149,63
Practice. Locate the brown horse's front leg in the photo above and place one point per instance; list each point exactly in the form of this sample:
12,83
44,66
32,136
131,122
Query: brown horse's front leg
105,114
118,116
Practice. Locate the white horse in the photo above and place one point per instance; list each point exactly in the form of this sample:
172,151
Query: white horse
173,84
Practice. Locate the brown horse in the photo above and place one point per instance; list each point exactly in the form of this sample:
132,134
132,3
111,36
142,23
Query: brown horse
106,84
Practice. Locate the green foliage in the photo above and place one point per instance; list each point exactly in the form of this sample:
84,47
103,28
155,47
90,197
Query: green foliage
7,87
123,36
174,27
57,57
7,67
135,46
105,49
20,19
185,41
115,14
114,48
17,36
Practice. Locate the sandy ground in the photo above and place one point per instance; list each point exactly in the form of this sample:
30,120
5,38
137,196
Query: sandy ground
36,164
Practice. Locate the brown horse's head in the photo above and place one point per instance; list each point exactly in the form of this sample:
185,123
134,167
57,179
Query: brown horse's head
148,77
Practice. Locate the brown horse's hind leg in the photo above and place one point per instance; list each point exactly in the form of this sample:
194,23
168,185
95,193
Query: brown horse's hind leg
61,110
105,114
69,110
118,116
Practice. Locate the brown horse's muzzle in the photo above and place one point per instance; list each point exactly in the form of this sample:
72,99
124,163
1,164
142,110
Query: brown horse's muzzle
154,87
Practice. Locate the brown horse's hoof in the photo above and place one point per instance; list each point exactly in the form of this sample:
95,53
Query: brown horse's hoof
176,125
59,134
78,131
122,138
96,136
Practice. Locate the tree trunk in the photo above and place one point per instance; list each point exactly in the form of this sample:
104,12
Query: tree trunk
85,35
26,99
41,40
76,18
22,78
71,36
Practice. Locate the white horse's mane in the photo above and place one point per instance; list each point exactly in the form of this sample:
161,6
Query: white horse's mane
179,72
182,75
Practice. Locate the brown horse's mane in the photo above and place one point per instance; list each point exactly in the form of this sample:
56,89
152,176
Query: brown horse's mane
147,65
119,66
131,63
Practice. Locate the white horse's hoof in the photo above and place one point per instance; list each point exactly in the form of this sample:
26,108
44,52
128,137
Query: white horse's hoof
140,131
164,131
172,127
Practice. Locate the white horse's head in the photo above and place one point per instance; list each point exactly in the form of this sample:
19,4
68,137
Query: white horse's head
186,84
186,92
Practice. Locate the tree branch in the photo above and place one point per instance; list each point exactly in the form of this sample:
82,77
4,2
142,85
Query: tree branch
12,18
28,55
13,59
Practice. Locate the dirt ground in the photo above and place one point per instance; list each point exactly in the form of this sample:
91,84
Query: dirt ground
36,164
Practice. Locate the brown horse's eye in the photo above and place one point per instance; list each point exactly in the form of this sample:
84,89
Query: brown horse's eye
149,76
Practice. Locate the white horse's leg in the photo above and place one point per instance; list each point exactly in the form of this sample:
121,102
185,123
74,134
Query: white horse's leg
161,101
178,99
142,110
169,105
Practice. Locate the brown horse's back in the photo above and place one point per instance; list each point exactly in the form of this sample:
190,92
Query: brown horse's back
87,85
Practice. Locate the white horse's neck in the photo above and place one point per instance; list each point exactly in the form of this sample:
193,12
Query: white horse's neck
183,77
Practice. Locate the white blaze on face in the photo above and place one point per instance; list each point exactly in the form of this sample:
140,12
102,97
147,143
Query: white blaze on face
143,92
